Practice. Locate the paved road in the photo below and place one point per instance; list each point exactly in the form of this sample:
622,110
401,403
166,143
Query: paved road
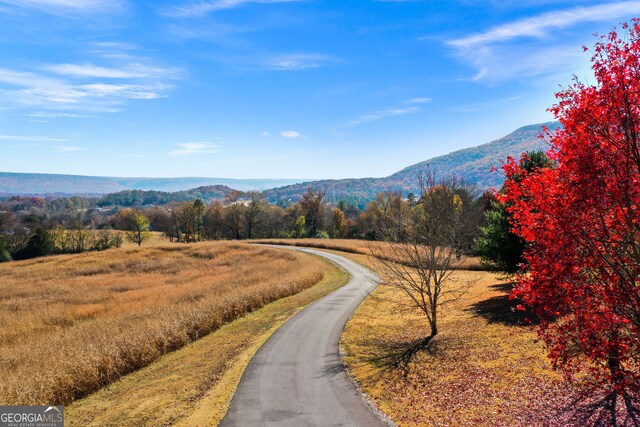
297,377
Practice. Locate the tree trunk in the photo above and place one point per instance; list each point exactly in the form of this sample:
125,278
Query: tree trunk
614,368
434,330
434,320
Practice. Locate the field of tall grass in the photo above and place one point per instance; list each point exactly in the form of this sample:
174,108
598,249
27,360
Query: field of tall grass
364,247
72,324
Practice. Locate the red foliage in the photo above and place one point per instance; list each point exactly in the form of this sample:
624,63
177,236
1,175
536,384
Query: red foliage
581,221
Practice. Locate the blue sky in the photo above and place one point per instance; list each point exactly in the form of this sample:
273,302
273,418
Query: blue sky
278,88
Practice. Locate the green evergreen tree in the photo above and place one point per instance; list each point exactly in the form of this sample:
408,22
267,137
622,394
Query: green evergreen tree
40,244
4,252
499,249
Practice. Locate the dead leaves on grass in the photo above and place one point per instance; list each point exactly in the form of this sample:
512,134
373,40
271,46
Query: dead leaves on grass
484,369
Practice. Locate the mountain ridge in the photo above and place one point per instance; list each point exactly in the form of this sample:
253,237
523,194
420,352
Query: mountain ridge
472,164
44,184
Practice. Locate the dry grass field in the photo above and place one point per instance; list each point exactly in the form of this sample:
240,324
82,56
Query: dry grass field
73,324
362,247
485,368
193,386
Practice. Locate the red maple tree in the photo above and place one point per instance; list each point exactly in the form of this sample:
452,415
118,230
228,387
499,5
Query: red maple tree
581,223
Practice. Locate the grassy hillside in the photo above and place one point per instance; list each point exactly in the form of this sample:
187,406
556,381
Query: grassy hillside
472,164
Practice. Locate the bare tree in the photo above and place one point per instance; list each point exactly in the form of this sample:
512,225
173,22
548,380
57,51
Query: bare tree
313,204
161,220
187,222
274,223
234,213
196,210
213,221
253,210
420,266
390,216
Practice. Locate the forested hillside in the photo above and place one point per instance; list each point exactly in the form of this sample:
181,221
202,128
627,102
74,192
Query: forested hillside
472,164
145,198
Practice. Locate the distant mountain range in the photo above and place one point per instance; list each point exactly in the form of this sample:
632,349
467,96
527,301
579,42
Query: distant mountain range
472,164
64,185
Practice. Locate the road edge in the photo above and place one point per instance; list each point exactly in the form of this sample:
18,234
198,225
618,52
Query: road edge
386,419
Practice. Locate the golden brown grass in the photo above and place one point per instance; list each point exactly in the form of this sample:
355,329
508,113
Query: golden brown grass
194,385
343,245
73,324
156,239
362,247
484,368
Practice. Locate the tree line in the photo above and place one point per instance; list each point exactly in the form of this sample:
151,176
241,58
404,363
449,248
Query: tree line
248,216
240,215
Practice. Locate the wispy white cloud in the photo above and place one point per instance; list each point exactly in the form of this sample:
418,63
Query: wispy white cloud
51,115
483,106
418,101
67,6
30,138
531,47
200,8
90,70
127,71
297,61
117,51
122,90
292,134
66,148
117,45
381,114
539,26
188,148
83,89
410,106
503,63
35,90
265,133
25,78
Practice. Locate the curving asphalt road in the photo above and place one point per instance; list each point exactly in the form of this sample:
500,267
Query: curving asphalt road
297,377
